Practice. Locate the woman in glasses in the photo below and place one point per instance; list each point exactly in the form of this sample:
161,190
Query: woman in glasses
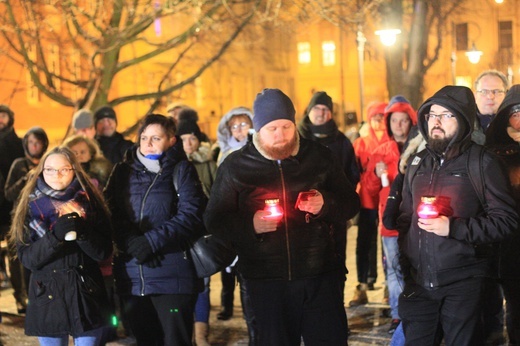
61,230
233,130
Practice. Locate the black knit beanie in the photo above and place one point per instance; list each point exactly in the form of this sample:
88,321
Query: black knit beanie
270,105
320,98
105,112
189,127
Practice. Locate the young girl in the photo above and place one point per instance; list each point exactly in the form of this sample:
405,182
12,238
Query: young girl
61,230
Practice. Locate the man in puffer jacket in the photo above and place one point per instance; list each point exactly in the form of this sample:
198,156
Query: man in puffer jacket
285,253
445,258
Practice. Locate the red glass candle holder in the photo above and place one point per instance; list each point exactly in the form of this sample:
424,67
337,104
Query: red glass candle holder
427,208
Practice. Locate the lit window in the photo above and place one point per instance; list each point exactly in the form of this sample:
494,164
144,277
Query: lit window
304,53
329,53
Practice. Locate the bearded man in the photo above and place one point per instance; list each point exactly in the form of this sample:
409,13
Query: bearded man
277,200
446,258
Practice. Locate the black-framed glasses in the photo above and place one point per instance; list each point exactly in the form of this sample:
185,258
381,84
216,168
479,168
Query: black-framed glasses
494,92
54,171
239,126
441,117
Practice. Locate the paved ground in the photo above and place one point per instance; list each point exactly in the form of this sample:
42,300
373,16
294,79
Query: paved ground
367,325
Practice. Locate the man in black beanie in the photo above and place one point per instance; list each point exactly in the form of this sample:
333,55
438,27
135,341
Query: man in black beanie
112,143
277,200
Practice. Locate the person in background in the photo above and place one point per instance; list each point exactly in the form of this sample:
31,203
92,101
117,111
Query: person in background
232,134
35,144
372,135
381,171
489,90
445,258
61,228
503,138
190,114
152,224
318,125
199,153
11,148
83,123
173,111
92,160
112,143
233,131
286,254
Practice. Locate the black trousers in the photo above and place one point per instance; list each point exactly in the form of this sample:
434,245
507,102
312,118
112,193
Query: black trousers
455,308
511,286
366,246
163,319
286,311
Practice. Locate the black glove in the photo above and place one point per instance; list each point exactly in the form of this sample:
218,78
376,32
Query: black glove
65,223
140,248
154,261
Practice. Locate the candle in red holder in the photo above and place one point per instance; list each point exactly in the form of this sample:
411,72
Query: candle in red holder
427,208
273,206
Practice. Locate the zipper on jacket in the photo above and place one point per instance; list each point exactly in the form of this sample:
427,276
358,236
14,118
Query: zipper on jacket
287,243
141,212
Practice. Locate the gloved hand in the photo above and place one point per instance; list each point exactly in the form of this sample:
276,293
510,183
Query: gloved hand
154,261
66,223
140,248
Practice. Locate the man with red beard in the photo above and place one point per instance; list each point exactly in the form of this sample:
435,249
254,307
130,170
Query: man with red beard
277,200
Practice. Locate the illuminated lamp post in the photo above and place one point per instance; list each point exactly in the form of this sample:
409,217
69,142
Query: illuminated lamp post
474,54
388,37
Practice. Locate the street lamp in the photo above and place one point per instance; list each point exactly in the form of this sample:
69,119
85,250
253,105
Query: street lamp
361,39
474,54
388,36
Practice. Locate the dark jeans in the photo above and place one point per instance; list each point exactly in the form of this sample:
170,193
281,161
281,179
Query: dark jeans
227,294
163,319
286,311
366,246
455,308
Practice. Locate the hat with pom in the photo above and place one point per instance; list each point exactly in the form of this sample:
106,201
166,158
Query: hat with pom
189,126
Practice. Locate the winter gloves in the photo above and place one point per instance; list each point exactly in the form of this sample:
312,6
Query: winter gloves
69,223
140,248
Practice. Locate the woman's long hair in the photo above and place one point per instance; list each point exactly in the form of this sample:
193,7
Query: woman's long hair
17,232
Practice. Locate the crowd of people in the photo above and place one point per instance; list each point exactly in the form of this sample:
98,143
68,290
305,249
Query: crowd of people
97,228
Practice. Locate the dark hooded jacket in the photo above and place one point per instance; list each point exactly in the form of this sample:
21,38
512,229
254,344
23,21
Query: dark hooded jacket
11,149
432,260
303,245
330,136
144,202
114,147
501,143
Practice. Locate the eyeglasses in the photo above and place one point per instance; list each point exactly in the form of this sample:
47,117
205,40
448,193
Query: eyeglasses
495,92
239,126
440,117
53,171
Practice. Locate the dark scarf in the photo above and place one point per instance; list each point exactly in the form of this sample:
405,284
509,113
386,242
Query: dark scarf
45,202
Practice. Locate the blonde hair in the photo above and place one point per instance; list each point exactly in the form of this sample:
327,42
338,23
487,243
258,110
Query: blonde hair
93,147
18,230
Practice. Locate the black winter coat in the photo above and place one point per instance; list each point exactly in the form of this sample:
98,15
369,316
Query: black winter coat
67,295
143,202
303,246
433,260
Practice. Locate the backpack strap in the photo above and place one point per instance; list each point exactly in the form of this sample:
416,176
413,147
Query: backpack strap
413,165
476,171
